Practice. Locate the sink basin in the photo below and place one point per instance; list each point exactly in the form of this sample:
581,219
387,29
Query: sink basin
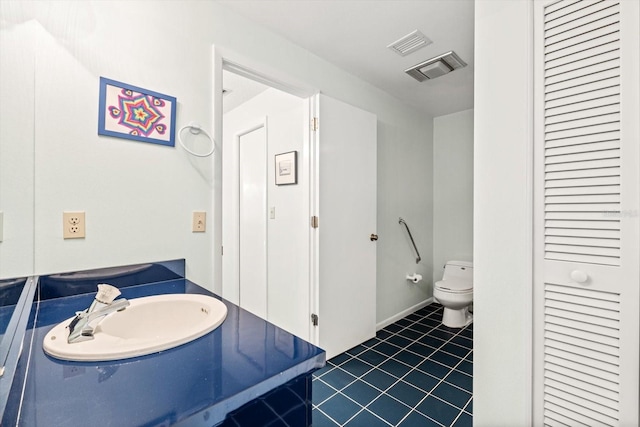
148,325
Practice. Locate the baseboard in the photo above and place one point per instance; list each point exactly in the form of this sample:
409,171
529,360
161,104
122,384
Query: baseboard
403,313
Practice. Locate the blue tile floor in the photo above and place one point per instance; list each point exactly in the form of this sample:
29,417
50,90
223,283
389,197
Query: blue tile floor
414,373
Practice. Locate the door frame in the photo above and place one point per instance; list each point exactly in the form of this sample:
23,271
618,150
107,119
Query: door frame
227,59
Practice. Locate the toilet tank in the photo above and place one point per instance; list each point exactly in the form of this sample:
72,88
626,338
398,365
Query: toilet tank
461,270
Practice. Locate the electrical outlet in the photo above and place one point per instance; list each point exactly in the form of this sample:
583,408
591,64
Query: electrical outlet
199,222
73,225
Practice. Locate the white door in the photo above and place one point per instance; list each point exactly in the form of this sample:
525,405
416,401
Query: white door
252,147
347,140
587,215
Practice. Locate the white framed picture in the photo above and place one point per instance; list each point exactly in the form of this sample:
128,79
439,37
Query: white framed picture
286,168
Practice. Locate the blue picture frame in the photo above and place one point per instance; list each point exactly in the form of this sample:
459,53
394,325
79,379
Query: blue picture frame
130,112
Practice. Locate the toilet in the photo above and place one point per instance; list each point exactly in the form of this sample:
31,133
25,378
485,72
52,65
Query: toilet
455,293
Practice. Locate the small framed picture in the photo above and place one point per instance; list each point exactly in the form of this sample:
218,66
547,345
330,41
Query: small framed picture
286,168
130,112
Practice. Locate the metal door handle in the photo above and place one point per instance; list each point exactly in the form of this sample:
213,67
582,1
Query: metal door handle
373,237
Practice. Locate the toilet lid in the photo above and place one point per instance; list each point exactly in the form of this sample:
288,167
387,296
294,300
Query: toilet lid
454,285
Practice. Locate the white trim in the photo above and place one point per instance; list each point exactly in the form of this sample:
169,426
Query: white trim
261,78
403,314
261,124
255,70
629,135
216,189
537,292
528,305
314,203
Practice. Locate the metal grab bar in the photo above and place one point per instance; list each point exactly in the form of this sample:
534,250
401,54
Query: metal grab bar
402,221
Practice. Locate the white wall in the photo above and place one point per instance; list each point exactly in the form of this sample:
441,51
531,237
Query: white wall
503,211
139,197
17,48
452,189
287,295
288,232
405,189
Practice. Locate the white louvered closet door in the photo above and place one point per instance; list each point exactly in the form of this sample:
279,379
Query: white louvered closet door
586,233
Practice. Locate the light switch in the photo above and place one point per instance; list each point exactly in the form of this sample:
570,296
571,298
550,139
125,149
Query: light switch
272,212
199,222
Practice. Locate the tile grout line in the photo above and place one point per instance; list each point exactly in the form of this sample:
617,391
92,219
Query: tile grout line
360,378
461,412
405,325
457,334
384,392
371,412
439,349
332,394
436,386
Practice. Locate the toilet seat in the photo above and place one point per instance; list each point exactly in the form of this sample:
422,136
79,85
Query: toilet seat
454,286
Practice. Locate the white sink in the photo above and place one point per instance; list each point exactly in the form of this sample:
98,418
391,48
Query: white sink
148,325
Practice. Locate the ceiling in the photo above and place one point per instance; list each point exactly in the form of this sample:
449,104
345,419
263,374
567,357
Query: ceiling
354,35
238,90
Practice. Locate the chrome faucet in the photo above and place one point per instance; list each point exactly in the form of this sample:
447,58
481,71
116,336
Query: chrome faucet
83,325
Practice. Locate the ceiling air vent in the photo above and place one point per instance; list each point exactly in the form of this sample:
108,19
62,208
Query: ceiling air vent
436,67
410,43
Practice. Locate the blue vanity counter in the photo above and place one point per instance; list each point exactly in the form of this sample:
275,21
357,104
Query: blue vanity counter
199,383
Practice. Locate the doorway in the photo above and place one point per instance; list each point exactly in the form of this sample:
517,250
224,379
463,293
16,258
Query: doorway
265,233
320,274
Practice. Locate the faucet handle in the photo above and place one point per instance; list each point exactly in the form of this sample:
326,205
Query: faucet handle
107,293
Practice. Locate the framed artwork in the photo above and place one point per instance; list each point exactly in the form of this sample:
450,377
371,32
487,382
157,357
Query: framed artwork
286,168
130,112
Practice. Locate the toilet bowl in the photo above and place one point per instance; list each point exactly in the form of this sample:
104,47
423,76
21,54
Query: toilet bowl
455,293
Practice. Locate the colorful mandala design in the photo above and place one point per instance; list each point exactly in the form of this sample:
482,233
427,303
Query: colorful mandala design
139,113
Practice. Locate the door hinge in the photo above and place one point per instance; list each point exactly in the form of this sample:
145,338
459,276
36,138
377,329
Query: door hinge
314,319
314,221
314,124
221,250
